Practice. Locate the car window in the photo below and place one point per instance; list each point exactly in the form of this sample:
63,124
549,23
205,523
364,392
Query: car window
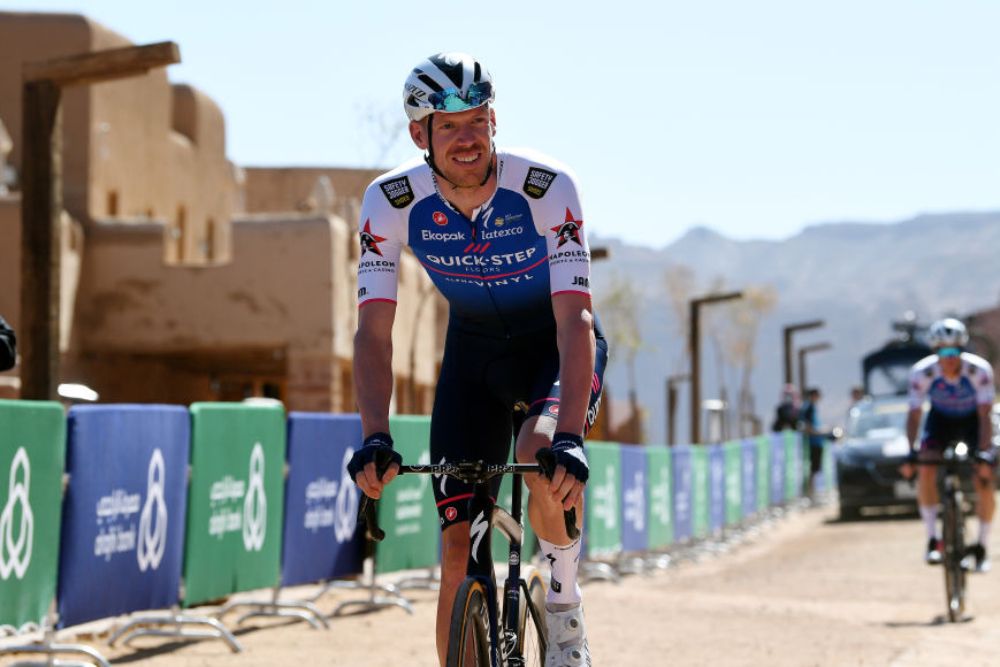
875,420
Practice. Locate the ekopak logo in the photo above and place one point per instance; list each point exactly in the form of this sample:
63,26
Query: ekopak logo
152,539
15,555
255,503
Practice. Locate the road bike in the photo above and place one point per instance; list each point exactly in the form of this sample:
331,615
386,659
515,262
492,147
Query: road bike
955,461
480,634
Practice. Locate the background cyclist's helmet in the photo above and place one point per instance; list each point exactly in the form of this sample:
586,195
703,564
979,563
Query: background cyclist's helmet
446,82
948,332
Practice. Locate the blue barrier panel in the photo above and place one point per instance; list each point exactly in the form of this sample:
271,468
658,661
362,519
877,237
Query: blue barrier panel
682,492
716,488
321,535
748,473
635,529
124,510
777,469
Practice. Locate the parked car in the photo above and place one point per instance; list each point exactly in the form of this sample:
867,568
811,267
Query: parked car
869,457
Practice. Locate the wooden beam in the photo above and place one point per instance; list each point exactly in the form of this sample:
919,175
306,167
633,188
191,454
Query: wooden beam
41,205
100,66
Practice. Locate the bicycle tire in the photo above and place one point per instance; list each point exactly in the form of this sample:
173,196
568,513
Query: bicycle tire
531,635
954,552
469,631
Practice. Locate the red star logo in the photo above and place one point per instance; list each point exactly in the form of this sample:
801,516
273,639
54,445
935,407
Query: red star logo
370,240
568,230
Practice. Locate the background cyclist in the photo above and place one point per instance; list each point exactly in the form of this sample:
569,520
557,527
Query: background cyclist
959,386
502,235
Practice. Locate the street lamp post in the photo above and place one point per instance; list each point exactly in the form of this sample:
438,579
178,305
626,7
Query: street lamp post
672,382
694,349
803,351
788,331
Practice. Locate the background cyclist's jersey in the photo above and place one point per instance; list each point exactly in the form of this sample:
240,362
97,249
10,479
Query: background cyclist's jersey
953,412
498,270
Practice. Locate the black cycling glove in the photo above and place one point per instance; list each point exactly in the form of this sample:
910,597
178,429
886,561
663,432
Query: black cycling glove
378,448
567,450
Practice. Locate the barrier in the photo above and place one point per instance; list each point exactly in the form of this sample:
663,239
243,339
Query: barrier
406,510
32,455
603,532
733,460
763,446
682,500
235,500
699,492
778,469
123,527
794,478
635,531
748,483
716,489
660,494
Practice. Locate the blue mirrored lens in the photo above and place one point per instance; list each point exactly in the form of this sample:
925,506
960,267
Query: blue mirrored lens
949,352
452,99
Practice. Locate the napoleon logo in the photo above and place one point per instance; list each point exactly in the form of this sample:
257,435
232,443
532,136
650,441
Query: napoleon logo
538,181
369,240
568,230
398,192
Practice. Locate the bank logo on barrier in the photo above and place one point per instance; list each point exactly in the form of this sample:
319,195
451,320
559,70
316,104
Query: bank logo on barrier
229,516
606,500
333,504
659,499
255,503
410,501
15,554
635,502
153,519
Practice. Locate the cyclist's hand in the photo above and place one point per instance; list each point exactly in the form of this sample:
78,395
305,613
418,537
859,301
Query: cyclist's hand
374,465
571,471
909,467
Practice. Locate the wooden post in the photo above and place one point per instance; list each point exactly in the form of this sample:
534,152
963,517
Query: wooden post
41,198
41,206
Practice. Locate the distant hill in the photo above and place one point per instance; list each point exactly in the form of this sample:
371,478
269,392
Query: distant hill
857,276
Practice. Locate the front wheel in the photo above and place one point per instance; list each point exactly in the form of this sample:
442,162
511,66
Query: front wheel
531,635
469,632
954,551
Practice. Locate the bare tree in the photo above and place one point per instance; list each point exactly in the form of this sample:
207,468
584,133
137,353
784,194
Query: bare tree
619,308
740,339
384,126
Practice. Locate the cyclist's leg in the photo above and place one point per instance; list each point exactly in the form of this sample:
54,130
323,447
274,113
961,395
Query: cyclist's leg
468,422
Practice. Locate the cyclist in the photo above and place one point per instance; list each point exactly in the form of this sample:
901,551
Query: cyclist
959,386
501,234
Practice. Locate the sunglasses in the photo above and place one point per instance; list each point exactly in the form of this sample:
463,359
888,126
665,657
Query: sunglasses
949,352
453,99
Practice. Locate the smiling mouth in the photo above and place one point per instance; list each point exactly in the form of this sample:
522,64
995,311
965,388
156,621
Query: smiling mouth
467,159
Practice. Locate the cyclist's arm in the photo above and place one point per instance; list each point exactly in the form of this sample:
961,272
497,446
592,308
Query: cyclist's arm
985,395
985,427
373,365
575,338
915,397
913,426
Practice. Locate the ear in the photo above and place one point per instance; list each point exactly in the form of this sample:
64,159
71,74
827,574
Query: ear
418,133
493,122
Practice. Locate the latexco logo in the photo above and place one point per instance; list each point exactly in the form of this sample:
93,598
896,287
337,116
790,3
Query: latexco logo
255,503
15,555
153,520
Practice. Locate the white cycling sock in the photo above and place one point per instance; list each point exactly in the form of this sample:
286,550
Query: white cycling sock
929,515
563,588
984,532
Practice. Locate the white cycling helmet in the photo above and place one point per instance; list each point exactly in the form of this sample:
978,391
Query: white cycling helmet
446,82
948,332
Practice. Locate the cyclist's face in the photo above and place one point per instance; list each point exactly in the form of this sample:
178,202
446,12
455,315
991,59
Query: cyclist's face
462,143
951,365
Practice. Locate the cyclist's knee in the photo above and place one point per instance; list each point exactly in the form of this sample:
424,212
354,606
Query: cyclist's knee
535,434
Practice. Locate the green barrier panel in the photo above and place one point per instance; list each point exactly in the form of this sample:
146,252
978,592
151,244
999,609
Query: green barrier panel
603,493
235,500
763,472
793,464
32,461
733,453
699,491
406,511
659,490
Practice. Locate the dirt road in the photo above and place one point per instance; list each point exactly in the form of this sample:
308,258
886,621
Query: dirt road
805,590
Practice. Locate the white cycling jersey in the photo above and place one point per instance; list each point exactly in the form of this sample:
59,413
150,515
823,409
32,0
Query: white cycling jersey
498,270
958,398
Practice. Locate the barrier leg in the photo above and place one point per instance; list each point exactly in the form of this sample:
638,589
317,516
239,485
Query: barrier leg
429,582
592,570
182,628
49,647
374,600
303,610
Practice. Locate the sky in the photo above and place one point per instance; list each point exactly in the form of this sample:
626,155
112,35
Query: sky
752,118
